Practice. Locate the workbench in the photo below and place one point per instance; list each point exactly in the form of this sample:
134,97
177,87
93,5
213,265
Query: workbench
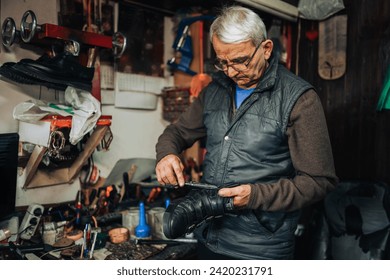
68,246
127,250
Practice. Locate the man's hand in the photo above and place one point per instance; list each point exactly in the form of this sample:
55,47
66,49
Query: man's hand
169,170
240,195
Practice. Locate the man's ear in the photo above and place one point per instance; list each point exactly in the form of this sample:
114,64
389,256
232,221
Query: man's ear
268,46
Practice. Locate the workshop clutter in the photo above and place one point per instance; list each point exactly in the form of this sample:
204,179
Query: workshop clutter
144,204
153,218
183,45
62,66
4,234
60,136
118,217
175,102
81,106
53,232
119,235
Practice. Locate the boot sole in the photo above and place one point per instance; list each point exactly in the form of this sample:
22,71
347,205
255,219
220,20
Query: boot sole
46,76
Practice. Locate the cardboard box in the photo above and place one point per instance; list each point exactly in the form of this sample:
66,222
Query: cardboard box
33,177
35,133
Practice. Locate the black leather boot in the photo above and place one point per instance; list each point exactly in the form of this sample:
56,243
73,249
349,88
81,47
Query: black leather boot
198,207
63,69
9,72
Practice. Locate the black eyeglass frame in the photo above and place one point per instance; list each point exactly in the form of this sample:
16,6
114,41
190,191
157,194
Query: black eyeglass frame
222,67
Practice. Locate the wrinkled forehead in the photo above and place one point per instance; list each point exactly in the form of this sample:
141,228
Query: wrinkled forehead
231,50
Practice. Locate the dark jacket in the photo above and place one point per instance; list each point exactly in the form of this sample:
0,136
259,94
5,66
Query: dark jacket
251,145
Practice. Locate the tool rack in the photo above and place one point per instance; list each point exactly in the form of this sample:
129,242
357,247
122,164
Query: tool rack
31,32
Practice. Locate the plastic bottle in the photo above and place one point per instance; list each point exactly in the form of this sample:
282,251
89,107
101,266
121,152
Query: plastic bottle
143,229
167,202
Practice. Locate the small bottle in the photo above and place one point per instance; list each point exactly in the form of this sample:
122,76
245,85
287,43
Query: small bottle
143,229
167,202
4,234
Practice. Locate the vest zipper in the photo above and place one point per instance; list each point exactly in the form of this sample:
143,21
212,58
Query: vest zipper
232,104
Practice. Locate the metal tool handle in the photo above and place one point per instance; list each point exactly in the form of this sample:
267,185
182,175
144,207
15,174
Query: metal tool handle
8,32
27,30
195,185
119,43
198,185
138,241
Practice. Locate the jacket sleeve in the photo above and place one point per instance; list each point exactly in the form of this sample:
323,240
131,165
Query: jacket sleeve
312,157
183,133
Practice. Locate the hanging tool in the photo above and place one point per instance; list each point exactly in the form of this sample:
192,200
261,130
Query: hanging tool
332,47
183,44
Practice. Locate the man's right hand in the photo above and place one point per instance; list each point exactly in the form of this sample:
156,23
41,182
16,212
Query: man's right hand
169,170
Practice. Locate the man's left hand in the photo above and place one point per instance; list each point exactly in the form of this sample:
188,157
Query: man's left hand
240,195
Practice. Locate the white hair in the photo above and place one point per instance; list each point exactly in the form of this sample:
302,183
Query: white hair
236,24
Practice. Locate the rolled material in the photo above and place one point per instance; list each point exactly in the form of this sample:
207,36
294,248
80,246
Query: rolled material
119,235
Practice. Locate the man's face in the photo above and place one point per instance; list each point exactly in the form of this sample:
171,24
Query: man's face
244,63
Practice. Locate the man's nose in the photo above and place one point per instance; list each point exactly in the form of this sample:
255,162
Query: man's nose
230,71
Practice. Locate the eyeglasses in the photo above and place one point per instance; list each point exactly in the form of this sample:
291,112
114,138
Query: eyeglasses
239,64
